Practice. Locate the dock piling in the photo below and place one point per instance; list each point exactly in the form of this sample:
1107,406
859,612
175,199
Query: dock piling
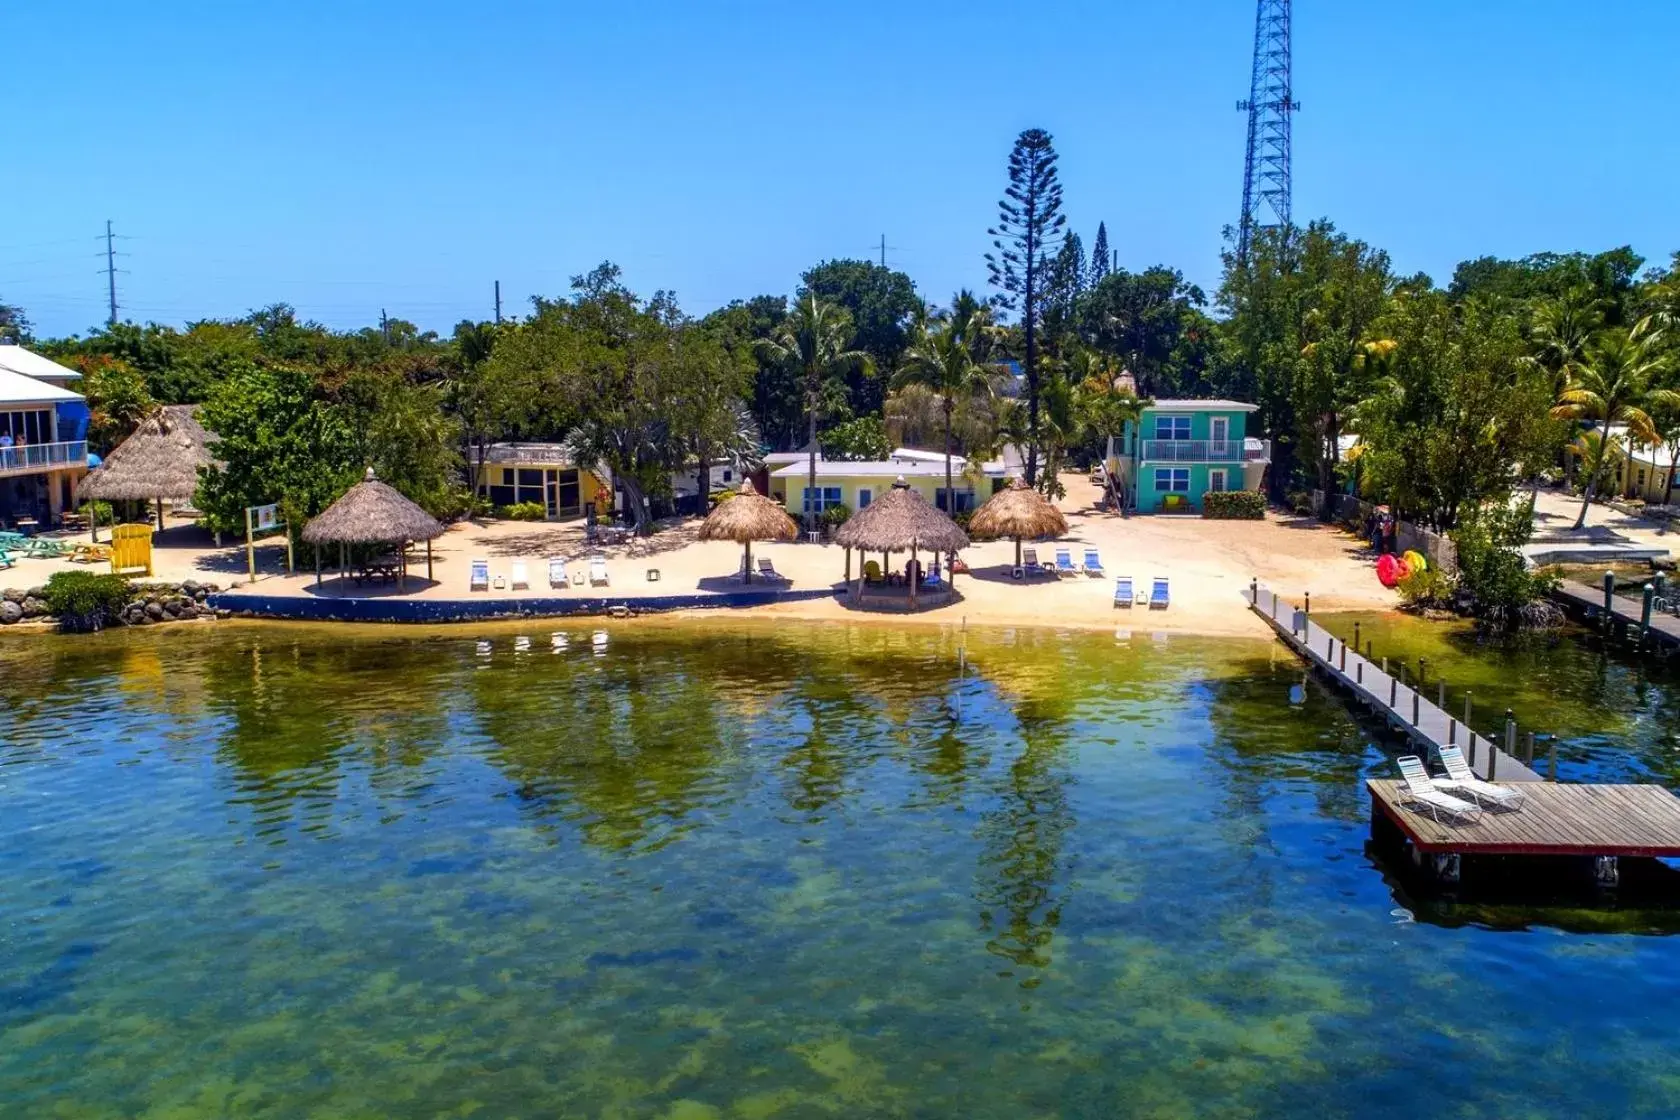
1359,672
1356,634
1452,732
1414,707
1343,665
1306,603
1609,593
1528,749
1645,610
1254,591
1393,691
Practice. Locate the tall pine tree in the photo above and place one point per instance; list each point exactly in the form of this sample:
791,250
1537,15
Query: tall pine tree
1029,217
1100,260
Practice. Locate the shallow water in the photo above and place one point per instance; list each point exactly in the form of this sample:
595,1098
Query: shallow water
751,871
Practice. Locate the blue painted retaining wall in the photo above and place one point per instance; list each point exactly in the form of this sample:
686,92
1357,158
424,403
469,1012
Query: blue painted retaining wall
311,609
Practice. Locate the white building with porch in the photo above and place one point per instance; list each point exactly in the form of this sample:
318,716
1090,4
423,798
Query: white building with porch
43,438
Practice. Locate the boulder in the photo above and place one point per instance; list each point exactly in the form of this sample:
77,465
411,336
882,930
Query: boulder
34,608
10,612
13,595
154,609
36,592
1663,564
186,612
200,595
189,587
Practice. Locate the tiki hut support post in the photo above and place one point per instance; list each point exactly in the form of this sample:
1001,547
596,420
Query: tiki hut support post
343,565
746,561
848,563
915,573
159,503
429,562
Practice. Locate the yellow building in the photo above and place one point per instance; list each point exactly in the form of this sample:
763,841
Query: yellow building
543,473
856,484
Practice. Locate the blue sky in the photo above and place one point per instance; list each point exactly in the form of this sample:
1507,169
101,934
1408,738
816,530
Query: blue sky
351,156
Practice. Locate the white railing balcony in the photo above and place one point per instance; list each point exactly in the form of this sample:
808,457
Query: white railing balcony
1194,450
1258,451
33,458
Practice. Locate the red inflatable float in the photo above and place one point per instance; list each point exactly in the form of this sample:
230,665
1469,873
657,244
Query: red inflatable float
1391,570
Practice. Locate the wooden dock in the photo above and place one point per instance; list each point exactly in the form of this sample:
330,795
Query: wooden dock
1558,820
1586,602
1405,708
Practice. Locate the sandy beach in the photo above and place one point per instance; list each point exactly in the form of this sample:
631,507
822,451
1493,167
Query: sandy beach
1208,563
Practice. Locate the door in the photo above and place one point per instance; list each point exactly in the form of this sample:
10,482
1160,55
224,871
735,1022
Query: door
1220,430
551,494
1216,481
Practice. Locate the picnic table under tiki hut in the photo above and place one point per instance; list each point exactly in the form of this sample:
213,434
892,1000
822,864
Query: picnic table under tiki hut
1017,511
372,513
901,520
747,517
158,462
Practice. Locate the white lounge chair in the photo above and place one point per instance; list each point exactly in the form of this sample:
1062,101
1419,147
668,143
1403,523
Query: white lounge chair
1420,791
1029,562
1462,779
767,570
1093,565
1064,563
1123,592
598,571
557,572
479,577
521,578
1160,594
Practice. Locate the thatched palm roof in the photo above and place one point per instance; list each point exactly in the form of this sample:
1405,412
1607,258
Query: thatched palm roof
899,520
160,460
371,512
1017,511
748,516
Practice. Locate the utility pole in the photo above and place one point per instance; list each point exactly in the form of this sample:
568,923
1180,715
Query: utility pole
384,327
1114,261
498,303
883,250
111,272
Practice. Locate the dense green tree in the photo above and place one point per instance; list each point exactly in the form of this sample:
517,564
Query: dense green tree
857,440
1610,276
774,394
816,341
117,399
14,325
1611,389
1029,218
1064,283
1101,257
881,302
1143,319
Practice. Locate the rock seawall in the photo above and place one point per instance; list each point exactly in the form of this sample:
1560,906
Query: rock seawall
152,603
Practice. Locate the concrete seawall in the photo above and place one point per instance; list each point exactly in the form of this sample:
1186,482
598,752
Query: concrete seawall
382,609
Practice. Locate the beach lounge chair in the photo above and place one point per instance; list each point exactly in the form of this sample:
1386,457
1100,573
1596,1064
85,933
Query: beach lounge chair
1092,566
598,571
767,570
557,572
932,577
1123,592
1462,779
1420,792
1160,594
1064,562
1029,561
521,579
479,579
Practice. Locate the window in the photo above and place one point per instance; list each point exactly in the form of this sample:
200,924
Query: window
507,476
1172,427
1172,480
1219,429
1216,481
962,499
865,496
727,474
826,496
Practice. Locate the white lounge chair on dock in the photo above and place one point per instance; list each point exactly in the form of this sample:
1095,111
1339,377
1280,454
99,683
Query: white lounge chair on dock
1420,791
1462,779
1123,592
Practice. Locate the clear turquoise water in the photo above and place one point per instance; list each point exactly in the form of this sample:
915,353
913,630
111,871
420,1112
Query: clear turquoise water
745,872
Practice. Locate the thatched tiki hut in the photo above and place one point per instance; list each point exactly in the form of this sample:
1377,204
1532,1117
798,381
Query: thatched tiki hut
371,512
747,517
1017,511
159,462
901,520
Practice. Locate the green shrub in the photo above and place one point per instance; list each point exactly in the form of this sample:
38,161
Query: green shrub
99,511
962,517
834,516
1234,505
524,511
1431,588
86,601
1504,593
1301,501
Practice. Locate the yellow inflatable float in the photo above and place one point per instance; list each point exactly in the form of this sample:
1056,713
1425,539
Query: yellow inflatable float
1414,560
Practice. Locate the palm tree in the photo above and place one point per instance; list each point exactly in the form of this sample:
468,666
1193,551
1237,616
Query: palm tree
1610,387
813,340
940,359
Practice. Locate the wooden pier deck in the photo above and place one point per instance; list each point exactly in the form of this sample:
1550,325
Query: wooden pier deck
1430,728
1585,601
1558,820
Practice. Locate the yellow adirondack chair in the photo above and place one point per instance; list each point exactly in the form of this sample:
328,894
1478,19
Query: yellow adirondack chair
871,572
131,550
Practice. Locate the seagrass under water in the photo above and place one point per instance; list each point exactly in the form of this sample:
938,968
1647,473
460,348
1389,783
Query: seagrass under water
751,871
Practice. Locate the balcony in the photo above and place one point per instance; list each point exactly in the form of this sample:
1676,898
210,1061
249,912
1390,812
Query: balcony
1207,450
34,458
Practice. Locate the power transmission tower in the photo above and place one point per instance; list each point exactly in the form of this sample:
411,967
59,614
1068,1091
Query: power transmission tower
110,270
1270,103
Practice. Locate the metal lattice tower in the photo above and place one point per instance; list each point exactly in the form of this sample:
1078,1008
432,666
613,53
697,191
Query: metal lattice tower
1270,103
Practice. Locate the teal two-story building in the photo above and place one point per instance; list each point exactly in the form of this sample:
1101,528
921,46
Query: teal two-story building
1177,451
